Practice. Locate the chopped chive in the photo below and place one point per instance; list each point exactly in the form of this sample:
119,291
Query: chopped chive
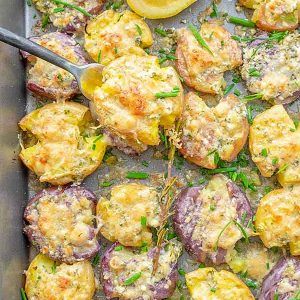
253,97
276,296
274,161
137,175
213,290
268,265
249,114
84,12
106,183
201,266
171,235
96,260
242,22
253,72
23,295
119,248
220,234
132,279
267,189
173,93
264,152
251,283
242,39
199,38
228,89
29,2
212,207
97,138
190,184
181,272
143,221
59,76
138,29
58,9
237,92
283,168
144,247
242,230
216,158
45,21
236,78
53,267
160,31
222,170
99,56
215,12
116,5
145,163
296,123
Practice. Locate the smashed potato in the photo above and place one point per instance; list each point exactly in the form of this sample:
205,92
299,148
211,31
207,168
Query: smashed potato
274,143
63,147
277,218
112,34
47,279
136,97
223,129
209,284
128,215
201,69
250,3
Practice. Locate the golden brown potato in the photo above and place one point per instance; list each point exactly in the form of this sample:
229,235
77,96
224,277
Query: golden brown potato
250,3
209,284
274,143
128,215
277,218
199,68
129,102
64,145
223,129
112,34
47,279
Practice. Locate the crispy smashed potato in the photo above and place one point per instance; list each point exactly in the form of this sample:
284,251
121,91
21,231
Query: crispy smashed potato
63,146
199,68
277,218
209,284
250,3
128,215
223,129
47,279
134,100
274,143
112,34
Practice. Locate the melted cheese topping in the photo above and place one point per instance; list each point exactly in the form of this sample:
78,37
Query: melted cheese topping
126,101
208,284
254,259
69,16
114,34
64,223
120,217
223,129
199,68
279,68
62,154
290,281
277,218
48,280
275,131
125,263
218,209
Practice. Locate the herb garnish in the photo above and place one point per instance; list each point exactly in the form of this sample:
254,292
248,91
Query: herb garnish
199,38
23,295
137,175
78,8
96,260
174,93
45,21
132,279
160,31
241,22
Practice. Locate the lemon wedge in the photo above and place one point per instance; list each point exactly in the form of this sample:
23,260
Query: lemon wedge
159,9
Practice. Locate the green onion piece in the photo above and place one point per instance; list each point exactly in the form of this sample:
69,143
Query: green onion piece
99,57
251,283
143,221
215,12
253,97
160,31
97,138
264,152
222,170
181,297
242,230
132,279
106,183
253,72
84,12
145,163
242,39
58,9
199,38
250,114
171,235
228,89
45,21
237,92
137,175
220,234
216,158
283,168
119,248
173,93
181,272
296,123
53,267
96,260
23,295
242,22
213,290
276,296
29,2
138,29
201,266
236,78
116,5
144,247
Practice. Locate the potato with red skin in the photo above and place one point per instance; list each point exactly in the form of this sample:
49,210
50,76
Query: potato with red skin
47,80
201,69
60,223
283,281
222,129
205,218
120,264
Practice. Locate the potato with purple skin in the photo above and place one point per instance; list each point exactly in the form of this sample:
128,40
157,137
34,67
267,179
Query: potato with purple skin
209,219
222,129
60,222
127,272
283,282
47,80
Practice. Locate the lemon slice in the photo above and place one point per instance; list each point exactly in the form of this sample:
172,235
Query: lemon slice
159,9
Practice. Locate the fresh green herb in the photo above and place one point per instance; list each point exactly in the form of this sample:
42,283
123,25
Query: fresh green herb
145,163
228,89
29,2
267,189
23,295
215,12
171,235
220,234
78,8
181,297
216,158
296,123
53,268
253,97
133,278
276,296
59,77
283,168
275,161
190,184
181,272
58,9
198,37
163,56
244,216
242,230
173,93
213,290
178,162
137,175
201,266
99,57
97,138
45,21
163,138
222,170
237,92
144,247
117,4
96,260
268,265
119,248
236,78
253,72
241,22
138,29
143,221
264,152
106,184
160,31
212,207
277,36
242,39
251,283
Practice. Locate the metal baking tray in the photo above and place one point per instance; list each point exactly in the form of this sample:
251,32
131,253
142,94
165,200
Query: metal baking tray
16,181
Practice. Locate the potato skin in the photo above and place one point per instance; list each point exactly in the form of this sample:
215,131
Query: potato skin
47,280
282,279
209,284
114,34
62,154
60,223
275,131
200,69
277,218
119,265
201,213
119,217
47,80
223,128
